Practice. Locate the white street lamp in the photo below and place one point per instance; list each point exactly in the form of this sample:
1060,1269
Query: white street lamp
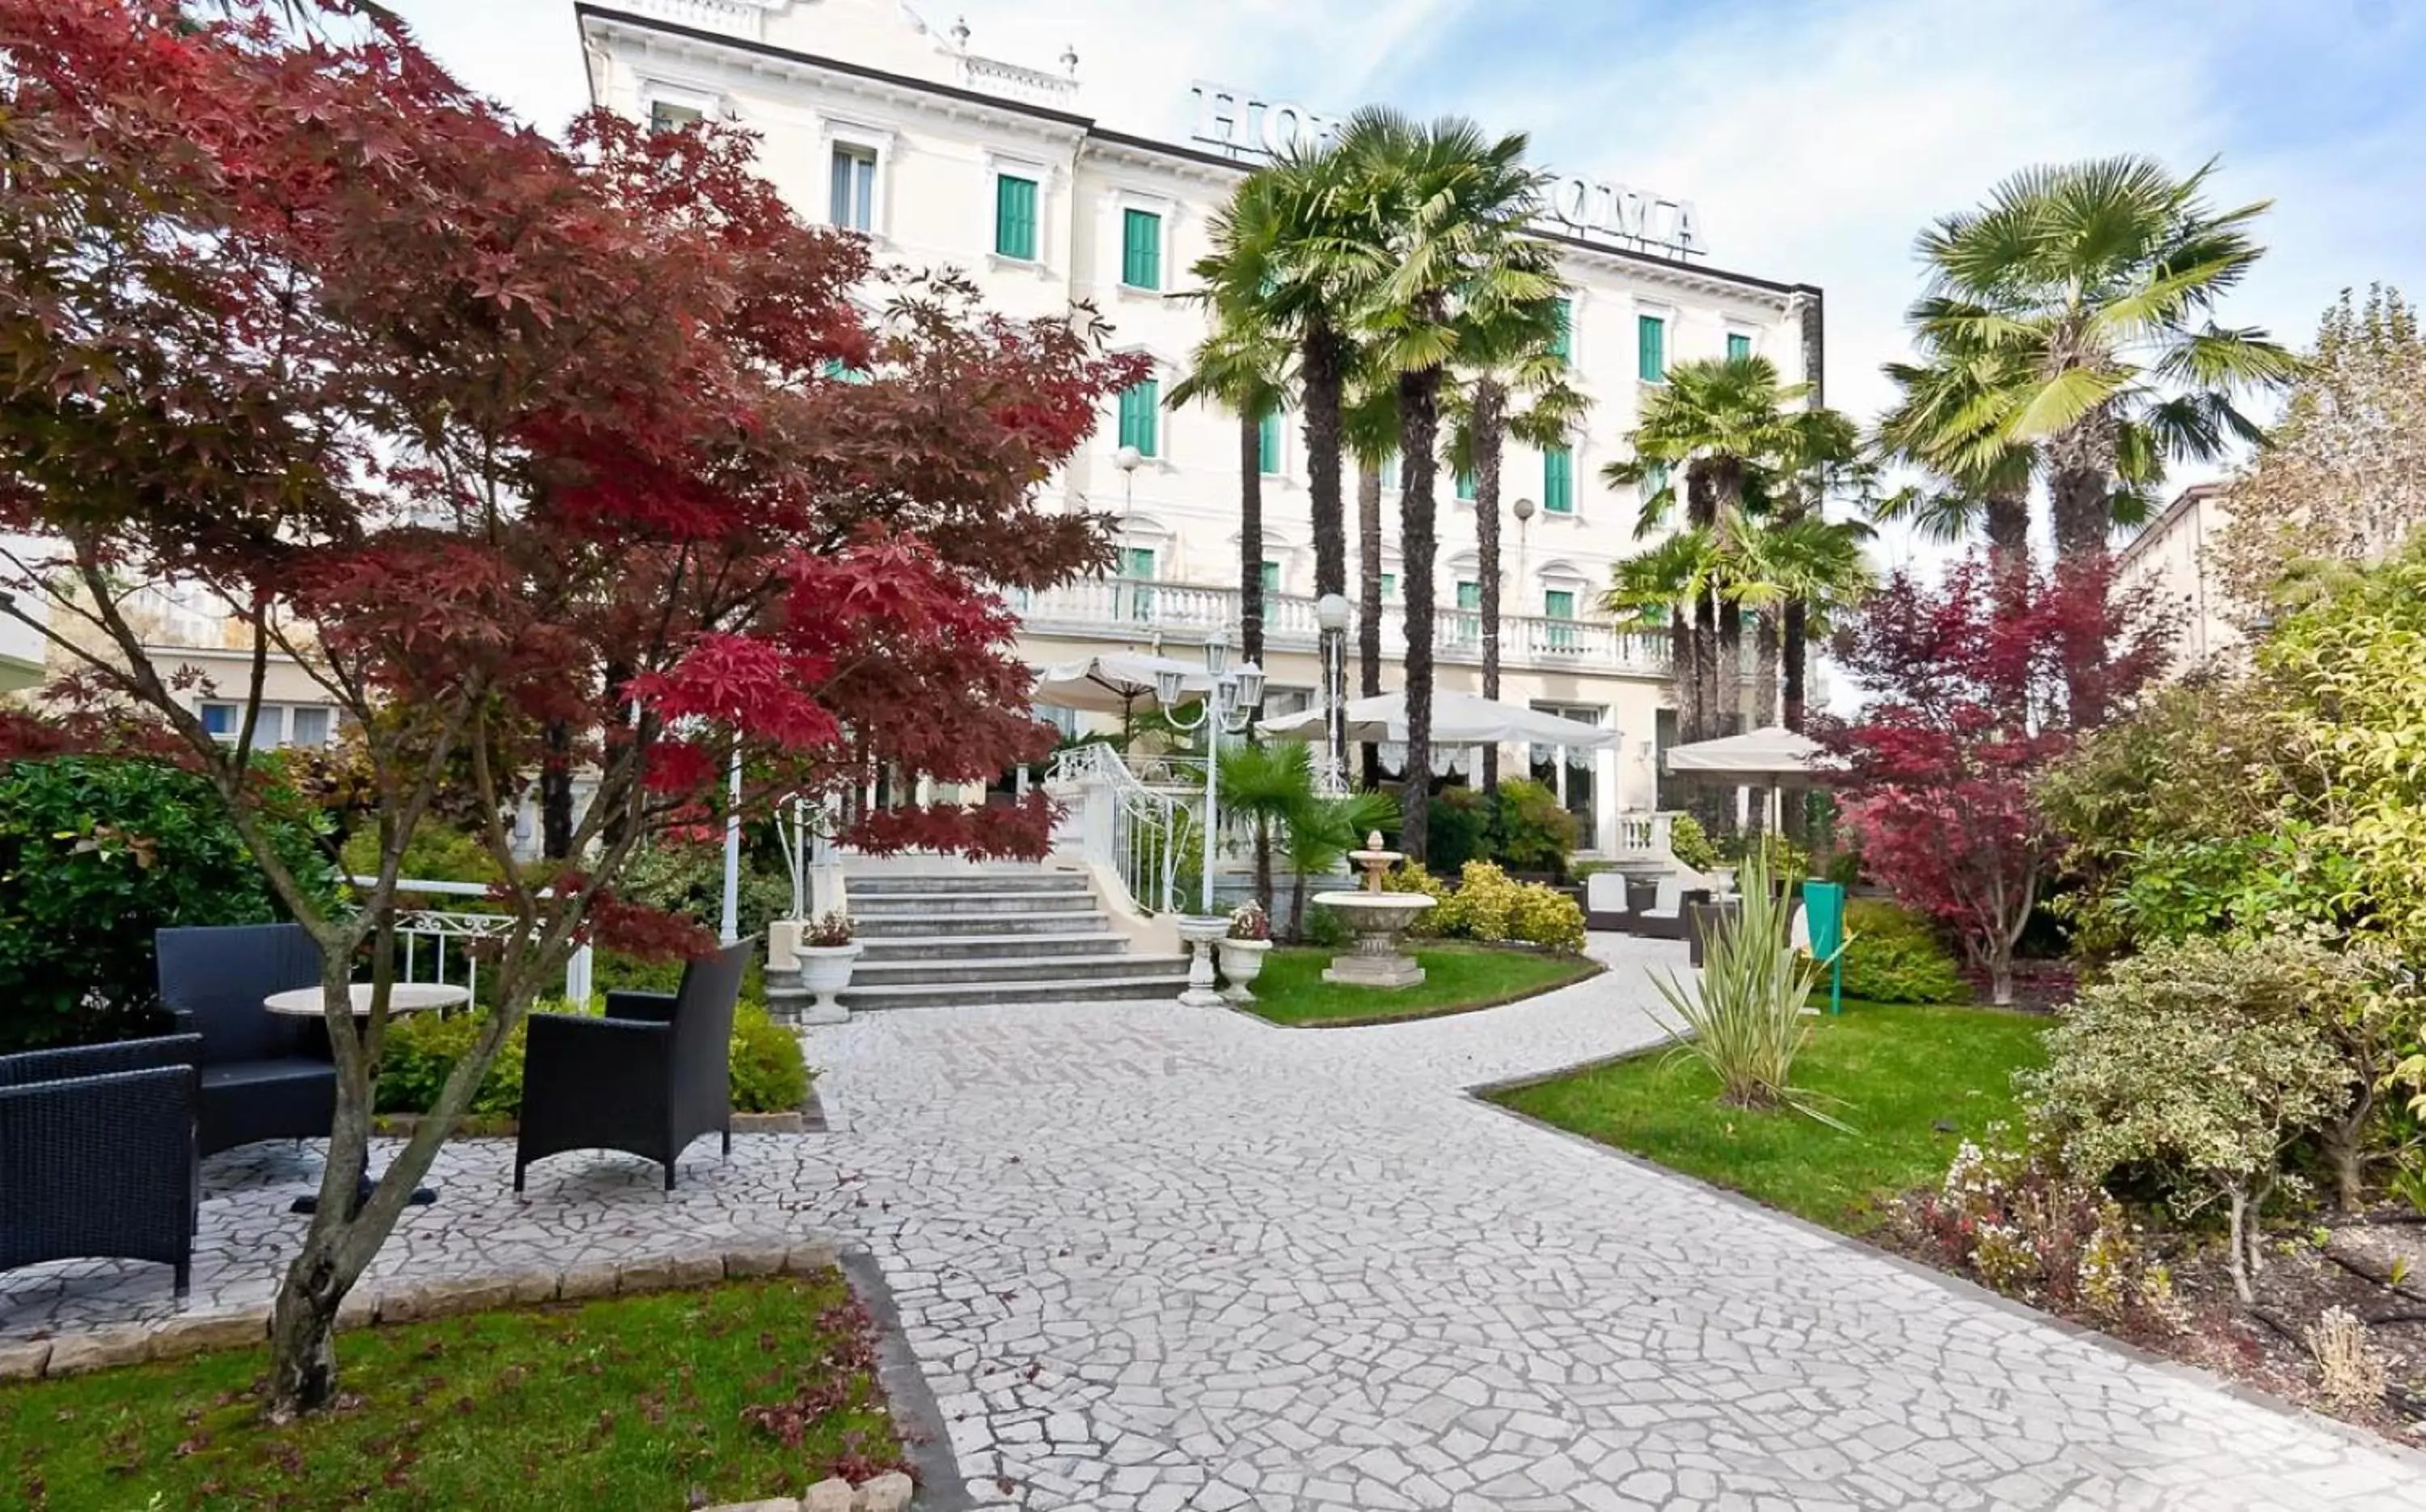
1226,709
1128,460
1331,613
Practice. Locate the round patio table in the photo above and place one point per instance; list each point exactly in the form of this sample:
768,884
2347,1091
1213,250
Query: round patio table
402,997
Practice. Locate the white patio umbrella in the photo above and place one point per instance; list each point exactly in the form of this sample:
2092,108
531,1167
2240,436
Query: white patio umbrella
1112,683
1775,757
1457,719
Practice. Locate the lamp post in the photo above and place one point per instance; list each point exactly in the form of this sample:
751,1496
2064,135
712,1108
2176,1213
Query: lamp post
1225,710
1331,612
1128,460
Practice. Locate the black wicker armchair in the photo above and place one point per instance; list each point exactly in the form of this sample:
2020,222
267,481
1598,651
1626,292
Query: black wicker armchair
262,1074
97,1155
648,1078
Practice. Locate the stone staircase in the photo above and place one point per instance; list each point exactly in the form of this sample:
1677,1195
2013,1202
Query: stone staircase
992,935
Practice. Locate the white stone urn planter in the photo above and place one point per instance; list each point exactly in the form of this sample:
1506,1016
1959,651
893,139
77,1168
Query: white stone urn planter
825,970
1243,960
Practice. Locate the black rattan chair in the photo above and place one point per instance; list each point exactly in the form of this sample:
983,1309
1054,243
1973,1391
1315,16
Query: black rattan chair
648,1078
97,1156
263,1076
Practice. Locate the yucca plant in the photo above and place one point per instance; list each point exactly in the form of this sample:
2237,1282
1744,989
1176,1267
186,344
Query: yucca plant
1744,1019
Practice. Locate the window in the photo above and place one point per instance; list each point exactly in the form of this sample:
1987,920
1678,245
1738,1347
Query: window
1141,411
1651,349
1465,485
1563,345
1738,346
1469,595
1268,441
853,206
1655,480
1136,595
1559,604
308,726
1271,578
1559,480
277,724
1389,586
666,116
1390,473
220,721
1141,250
842,371
1014,217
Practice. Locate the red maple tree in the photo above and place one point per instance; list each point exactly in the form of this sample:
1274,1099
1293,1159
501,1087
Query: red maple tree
1967,701
538,458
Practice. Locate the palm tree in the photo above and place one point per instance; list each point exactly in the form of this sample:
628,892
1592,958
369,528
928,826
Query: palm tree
1242,368
1788,561
1650,590
1269,784
1285,262
1322,833
1739,437
1369,431
1508,356
1442,212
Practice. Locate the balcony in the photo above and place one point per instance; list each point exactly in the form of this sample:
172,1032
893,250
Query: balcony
1130,609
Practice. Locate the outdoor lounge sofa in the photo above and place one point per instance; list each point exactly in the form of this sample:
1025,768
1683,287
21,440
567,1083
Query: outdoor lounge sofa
1669,916
648,1079
263,1077
97,1156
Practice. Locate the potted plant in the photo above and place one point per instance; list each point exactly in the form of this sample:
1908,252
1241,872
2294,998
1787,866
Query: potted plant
825,952
1243,948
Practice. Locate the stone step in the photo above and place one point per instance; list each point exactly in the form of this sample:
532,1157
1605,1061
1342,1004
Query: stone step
880,885
966,905
979,946
1155,987
1070,921
1012,968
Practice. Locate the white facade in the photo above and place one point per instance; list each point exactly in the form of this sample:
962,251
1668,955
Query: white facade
871,118
2170,552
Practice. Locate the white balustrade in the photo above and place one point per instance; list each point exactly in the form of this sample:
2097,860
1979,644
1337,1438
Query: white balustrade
427,932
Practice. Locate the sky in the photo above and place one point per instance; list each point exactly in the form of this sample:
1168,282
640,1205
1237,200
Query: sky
1816,136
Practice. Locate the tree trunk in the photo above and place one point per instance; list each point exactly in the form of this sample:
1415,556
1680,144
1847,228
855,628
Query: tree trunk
1322,370
2240,1248
1728,718
1684,676
2345,1148
2008,510
1264,864
1489,425
1368,595
1794,671
555,793
2082,466
1418,431
1767,658
1250,540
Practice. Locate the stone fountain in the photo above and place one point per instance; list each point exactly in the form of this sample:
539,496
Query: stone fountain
1379,920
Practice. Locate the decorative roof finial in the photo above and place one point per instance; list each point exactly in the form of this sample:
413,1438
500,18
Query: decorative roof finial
960,34
1069,58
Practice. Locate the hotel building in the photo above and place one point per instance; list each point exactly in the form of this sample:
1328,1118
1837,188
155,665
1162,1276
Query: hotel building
874,120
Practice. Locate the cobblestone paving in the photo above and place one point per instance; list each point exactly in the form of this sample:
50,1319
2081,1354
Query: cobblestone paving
1156,1259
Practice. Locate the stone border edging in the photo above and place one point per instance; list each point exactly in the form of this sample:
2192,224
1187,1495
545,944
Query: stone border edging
1426,1015
1480,1094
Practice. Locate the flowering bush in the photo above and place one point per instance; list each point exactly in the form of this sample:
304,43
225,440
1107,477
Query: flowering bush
829,931
1249,921
2015,1221
1488,905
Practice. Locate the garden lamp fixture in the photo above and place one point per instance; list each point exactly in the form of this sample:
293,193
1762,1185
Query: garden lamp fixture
1128,460
1225,710
1331,613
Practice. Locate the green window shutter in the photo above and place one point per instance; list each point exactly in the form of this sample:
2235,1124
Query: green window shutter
1655,478
1565,345
1137,562
1469,595
1389,586
1738,346
1651,349
1390,471
1267,441
1140,410
1142,249
1558,603
1271,578
1559,480
1014,217
1465,485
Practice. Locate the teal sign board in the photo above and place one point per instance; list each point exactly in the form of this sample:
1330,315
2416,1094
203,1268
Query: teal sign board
1823,909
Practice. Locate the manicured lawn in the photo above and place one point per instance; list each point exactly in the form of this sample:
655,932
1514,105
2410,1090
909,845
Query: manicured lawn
1894,1073
631,1403
1291,990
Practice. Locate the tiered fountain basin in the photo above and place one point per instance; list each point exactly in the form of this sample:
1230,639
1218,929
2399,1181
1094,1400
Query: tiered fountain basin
1378,921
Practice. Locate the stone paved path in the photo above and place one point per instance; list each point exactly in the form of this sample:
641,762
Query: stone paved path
1154,1259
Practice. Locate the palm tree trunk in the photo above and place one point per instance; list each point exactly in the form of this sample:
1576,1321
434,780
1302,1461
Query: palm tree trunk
1251,539
1729,717
2081,461
1263,864
1322,367
1418,434
1369,598
1705,702
1768,655
1489,425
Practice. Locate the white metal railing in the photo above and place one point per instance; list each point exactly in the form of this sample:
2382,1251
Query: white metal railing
1129,608
426,933
1141,831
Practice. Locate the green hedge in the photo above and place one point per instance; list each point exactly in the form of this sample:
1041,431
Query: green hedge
1895,955
768,1073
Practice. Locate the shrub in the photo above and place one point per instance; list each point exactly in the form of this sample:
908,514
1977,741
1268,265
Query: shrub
1483,905
688,878
1488,905
2015,1221
769,1074
1323,928
1411,877
1690,843
1546,916
2195,1061
1536,834
1457,826
830,930
1893,955
1746,1013
436,853
95,854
